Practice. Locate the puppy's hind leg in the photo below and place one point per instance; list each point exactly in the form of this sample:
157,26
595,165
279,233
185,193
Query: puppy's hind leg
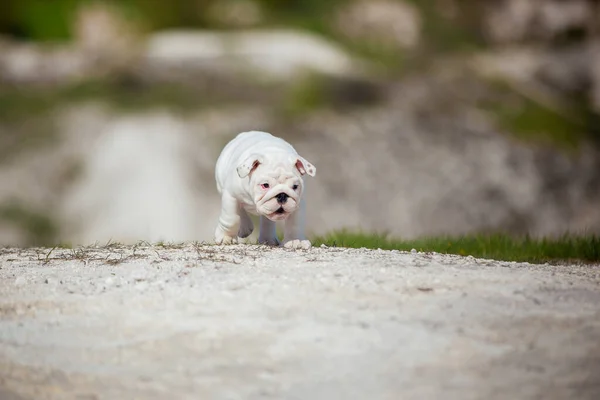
246,224
229,220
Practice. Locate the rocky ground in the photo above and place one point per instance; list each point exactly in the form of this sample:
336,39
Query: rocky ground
199,321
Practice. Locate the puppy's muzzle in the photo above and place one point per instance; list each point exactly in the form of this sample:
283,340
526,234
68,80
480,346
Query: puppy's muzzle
282,198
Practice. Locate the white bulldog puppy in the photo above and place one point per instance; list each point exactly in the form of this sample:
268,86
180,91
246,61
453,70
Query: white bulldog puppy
261,174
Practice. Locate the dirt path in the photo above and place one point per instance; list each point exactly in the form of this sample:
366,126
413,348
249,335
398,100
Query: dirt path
246,322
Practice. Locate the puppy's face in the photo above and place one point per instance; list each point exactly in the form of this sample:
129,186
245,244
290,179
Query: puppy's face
276,185
276,191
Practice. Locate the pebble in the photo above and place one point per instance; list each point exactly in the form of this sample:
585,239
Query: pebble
51,281
139,274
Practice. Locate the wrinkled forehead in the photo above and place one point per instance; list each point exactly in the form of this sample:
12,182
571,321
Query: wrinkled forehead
279,171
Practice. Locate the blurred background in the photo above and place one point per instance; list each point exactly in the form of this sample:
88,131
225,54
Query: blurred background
422,117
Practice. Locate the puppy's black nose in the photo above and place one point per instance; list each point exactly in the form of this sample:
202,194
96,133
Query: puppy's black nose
282,198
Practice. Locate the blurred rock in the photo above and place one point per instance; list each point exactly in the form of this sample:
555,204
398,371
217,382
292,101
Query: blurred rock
522,69
236,13
36,64
519,64
103,33
595,75
384,23
135,184
550,77
104,43
510,21
104,50
271,54
568,69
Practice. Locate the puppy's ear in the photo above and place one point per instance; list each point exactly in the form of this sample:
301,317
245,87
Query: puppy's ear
249,165
305,167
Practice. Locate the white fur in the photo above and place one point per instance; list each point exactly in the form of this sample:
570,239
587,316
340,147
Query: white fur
252,170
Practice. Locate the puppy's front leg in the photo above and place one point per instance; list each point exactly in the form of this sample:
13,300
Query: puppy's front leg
229,220
268,232
293,236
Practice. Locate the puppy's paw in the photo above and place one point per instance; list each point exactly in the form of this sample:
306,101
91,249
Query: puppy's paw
245,230
269,241
230,240
223,238
298,244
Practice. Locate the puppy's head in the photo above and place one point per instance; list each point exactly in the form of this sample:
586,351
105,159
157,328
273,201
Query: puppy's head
276,182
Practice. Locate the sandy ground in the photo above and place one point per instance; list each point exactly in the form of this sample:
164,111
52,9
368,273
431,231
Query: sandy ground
248,322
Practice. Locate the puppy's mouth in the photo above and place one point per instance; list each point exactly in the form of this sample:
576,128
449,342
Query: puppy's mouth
278,215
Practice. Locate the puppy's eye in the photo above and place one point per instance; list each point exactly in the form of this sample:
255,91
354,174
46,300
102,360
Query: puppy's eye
264,185
295,187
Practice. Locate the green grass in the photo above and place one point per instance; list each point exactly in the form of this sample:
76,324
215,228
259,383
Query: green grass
568,248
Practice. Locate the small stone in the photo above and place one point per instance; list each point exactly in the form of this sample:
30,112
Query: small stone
51,281
413,251
139,274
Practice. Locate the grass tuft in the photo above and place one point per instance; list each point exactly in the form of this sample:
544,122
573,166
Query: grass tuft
567,248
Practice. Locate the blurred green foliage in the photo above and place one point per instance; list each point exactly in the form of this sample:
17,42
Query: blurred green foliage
52,19
532,122
40,230
37,19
